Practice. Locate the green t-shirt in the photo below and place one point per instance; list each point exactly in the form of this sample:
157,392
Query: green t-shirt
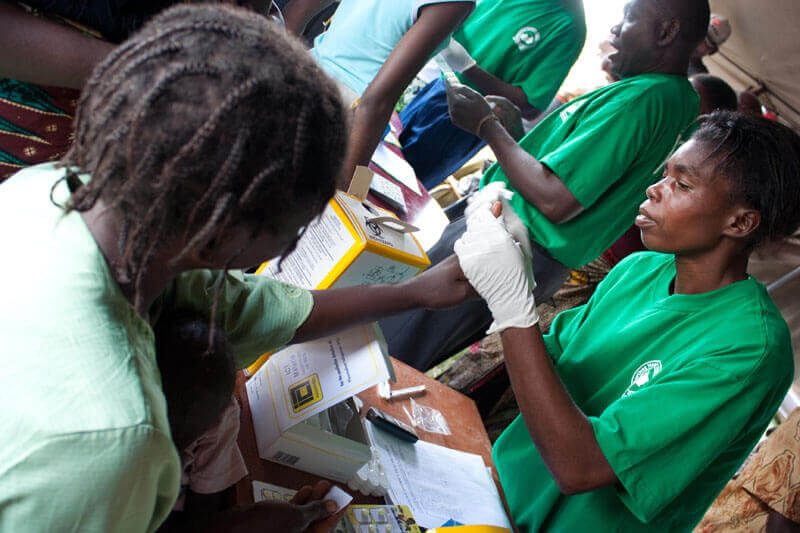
528,43
85,442
678,389
607,147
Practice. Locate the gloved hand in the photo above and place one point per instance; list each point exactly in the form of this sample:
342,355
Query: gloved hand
499,270
457,56
509,114
496,191
468,109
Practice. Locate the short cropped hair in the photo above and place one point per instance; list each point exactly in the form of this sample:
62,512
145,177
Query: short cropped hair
761,159
693,15
720,95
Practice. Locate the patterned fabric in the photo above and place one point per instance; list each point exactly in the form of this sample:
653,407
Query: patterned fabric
769,481
35,124
36,120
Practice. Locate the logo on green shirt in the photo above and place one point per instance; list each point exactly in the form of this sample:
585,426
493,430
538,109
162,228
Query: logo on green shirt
526,37
568,110
643,374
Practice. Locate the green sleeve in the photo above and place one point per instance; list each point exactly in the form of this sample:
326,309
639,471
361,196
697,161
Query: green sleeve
257,313
567,323
691,425
115,480
563,328
544,77
604,143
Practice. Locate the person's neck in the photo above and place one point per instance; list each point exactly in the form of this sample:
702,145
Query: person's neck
671,63
696,274
104,226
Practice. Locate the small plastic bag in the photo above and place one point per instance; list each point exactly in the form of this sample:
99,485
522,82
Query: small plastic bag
427,418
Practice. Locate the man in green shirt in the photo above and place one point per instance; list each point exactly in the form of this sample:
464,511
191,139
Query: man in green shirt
518,49
580,174
638,406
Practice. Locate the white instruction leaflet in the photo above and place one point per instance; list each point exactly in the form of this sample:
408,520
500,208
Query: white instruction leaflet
438,483
303,379
324,243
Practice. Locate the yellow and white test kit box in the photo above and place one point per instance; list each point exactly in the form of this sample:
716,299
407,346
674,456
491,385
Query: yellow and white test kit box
303,380
351,243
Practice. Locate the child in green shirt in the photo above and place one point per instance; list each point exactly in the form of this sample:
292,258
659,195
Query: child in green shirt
637,407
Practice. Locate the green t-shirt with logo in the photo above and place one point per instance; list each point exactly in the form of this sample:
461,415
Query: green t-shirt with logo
678,389
528,43
607,147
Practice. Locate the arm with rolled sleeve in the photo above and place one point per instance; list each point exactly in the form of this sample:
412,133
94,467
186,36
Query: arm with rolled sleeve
602,146
658,442
544,78
257,313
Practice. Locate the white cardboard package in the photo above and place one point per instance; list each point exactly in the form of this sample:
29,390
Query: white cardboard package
303,380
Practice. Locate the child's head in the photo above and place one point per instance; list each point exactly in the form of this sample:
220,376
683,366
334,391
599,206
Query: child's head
738,178
714,93
208,121
197,373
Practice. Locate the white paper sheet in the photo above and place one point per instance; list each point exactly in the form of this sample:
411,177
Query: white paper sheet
304,379
438,483
341,498
396,167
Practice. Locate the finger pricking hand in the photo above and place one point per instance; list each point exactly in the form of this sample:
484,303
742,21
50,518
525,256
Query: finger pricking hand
320,490
302,496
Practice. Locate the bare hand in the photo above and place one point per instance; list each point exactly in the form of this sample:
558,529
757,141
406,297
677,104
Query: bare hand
305,513
468,109
444,285
509,115
317,515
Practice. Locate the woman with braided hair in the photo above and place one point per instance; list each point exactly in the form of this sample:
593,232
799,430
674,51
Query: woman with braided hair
205,142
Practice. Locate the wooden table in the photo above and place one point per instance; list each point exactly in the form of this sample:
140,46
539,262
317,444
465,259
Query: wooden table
467,432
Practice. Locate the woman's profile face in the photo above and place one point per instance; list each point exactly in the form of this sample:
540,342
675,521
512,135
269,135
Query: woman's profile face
688,210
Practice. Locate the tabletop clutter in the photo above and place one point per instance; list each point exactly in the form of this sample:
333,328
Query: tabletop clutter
303,398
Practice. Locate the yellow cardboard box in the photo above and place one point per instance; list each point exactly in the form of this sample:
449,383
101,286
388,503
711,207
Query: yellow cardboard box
352,243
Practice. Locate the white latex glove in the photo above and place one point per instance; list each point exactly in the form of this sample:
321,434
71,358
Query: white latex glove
498,269
496,191
457,56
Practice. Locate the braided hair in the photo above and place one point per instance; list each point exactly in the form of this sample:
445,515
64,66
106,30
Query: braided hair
209,118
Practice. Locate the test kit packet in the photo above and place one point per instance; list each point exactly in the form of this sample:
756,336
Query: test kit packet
379,519
304,380
351,243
